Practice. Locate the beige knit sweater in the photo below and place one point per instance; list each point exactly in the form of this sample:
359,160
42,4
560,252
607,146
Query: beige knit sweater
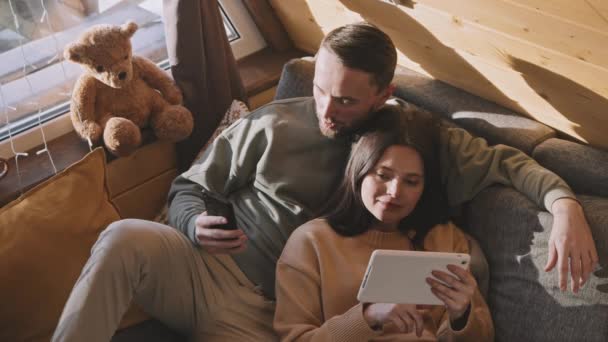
318,277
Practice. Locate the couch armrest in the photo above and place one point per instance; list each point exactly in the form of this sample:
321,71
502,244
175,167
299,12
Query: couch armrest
584,168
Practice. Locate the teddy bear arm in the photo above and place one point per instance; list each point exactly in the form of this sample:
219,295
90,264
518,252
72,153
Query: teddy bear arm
82,108
157,79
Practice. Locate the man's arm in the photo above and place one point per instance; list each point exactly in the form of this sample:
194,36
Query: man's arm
571,244
227,165
187,213
185,204
469,165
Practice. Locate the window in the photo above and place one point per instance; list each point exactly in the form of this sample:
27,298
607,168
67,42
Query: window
35,82
231,32
249,38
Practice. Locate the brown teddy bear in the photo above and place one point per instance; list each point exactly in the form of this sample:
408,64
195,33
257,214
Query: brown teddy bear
120,93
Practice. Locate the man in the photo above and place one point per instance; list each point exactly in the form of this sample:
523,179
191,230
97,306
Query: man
277,167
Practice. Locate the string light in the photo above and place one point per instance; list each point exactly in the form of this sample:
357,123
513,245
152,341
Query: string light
10,137
57,56
31,88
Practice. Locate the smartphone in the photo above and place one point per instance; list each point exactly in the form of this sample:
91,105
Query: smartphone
215,207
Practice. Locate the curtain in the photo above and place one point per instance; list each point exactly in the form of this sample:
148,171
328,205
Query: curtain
203,67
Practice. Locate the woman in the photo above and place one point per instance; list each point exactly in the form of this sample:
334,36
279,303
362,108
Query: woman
391,198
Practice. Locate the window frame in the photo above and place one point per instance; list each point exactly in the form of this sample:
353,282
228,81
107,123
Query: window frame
249,41
230,27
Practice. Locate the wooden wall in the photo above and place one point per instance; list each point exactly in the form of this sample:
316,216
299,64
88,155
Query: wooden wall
545,59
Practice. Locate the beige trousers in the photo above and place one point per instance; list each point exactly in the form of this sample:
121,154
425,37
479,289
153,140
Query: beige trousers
206,297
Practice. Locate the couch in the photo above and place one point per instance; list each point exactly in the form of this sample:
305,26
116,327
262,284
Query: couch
525,301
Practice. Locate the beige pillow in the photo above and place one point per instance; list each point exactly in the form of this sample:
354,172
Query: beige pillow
45,238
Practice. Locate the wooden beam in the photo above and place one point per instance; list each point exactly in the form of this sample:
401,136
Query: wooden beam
537,63
589,13
269,25
530,25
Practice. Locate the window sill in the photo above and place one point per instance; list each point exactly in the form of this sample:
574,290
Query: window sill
262,69
259,72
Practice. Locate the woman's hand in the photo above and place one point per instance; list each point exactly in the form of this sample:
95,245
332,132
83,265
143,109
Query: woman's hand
461,286
404,316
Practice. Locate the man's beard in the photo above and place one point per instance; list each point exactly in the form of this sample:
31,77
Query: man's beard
342,130
331,133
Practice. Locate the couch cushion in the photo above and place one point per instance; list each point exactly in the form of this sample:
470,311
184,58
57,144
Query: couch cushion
45,238
583,167
497,124
525,301
296,79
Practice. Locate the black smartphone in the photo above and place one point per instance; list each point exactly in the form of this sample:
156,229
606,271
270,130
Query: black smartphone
215,207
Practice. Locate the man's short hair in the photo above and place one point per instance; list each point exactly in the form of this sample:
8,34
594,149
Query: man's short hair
363,46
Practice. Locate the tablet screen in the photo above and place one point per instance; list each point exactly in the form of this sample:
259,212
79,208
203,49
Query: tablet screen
399,277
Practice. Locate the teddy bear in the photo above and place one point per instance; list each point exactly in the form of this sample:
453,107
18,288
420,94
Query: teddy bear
119,93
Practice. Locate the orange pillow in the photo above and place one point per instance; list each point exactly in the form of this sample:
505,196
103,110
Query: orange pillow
45,239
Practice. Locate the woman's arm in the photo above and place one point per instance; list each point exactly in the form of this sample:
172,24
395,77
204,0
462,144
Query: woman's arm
466,317
478,325
299,314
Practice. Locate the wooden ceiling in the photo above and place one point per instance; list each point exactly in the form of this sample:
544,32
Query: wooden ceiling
545,59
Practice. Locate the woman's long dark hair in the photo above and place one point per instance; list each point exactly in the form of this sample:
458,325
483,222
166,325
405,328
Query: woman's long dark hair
392,125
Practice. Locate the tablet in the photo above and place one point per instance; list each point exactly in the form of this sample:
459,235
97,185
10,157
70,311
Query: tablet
399,277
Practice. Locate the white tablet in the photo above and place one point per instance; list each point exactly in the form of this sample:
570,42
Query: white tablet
399,277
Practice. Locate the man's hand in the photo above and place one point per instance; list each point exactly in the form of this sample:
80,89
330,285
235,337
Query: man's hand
218,241
571,243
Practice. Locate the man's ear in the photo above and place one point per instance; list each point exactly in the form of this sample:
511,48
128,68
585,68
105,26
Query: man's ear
390,89
385,94
128,29
74,52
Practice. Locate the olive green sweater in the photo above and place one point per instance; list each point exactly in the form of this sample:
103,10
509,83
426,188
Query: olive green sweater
277,170
319,274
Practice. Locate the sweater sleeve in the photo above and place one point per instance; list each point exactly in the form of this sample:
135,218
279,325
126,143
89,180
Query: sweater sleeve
479,325
228,164
469,165
185,204
299,310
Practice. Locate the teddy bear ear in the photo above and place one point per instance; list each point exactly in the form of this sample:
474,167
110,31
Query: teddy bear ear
128,29
74,52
